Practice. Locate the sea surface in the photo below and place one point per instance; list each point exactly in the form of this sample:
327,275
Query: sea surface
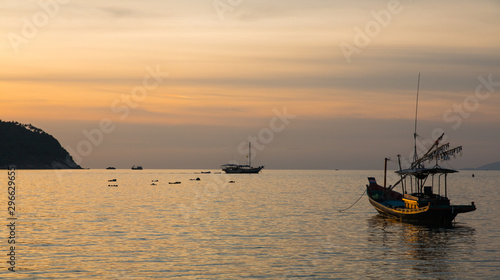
280,224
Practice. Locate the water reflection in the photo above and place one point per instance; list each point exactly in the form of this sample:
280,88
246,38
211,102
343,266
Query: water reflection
278,225
420,250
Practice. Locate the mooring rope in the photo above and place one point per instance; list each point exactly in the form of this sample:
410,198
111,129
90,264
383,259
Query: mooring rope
354,202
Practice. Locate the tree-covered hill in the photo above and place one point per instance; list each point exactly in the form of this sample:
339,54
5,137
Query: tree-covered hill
27,147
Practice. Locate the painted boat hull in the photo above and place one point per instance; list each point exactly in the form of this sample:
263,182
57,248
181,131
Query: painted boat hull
429,215
433,214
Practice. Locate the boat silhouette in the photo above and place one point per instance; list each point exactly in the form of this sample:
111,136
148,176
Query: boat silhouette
421,201
238,169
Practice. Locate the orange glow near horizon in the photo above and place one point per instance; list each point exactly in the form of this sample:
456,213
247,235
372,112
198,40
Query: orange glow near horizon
181,104
221,81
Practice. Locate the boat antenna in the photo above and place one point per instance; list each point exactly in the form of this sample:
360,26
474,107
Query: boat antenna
416,117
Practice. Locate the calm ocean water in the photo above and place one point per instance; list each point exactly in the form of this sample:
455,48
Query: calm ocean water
275,225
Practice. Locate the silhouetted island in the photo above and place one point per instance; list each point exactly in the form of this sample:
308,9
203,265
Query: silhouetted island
491,166
27,147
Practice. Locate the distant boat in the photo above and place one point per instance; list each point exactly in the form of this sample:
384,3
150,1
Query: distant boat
422,200
242,169
206,172
137,167
174,183
111,167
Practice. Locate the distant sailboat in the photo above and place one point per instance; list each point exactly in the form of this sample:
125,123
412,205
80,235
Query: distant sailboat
242,169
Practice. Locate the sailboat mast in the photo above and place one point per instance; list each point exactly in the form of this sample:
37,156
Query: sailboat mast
415,156
249,153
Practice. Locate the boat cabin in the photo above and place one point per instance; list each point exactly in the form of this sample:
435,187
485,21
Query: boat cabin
422,186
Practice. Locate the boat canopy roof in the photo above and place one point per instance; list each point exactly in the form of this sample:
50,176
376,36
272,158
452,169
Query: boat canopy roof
426,171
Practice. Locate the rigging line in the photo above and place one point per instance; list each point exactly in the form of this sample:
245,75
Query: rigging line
354,202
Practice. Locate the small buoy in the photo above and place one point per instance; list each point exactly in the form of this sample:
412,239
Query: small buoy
473,175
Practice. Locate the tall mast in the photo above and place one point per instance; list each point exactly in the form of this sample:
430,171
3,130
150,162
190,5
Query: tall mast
415,156
249,153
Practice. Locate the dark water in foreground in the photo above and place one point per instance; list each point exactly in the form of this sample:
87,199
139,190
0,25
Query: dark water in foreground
275,225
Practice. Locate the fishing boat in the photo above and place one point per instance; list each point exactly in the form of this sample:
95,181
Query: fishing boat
136,167
242,169
424,197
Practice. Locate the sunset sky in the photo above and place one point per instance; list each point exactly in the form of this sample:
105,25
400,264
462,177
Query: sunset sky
316,84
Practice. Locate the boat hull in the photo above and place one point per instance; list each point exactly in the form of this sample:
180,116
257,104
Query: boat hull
243,171
432,213
438,215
